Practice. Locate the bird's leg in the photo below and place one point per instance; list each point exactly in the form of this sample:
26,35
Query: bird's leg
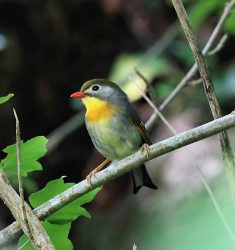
96,170
145,149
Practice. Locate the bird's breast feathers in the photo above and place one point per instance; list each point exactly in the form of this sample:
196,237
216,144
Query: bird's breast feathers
98,110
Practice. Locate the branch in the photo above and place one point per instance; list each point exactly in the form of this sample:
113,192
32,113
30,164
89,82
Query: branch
57,136
227,10
219,46
209,90
199,58
13,201
194,163
38,237
118,168
21,190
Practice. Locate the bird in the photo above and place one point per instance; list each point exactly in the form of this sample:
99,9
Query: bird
114,126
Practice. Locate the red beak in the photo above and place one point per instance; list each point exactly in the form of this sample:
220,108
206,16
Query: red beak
78,95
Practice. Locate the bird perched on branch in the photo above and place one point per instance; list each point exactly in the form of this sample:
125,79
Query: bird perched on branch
114,127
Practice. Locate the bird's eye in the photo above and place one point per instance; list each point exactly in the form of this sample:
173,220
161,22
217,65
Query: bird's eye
95,87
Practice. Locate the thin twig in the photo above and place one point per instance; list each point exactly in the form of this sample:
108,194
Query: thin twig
228,156
216,204
227,10
195,82
71,125
219,46
194,161
12,200
149,87
55,137
118,168
21,190
199,58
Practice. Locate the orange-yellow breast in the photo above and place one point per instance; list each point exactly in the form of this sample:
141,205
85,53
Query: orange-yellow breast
98,110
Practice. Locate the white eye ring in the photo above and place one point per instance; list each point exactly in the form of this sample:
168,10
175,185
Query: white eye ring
95,87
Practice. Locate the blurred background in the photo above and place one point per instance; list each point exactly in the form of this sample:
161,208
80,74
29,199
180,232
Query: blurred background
49,48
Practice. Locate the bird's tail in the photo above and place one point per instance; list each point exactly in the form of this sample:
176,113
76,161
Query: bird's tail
141,178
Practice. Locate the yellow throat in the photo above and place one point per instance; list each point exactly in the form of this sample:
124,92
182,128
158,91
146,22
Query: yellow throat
98,110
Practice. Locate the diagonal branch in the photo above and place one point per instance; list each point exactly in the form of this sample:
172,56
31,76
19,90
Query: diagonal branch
118,168
227,11
209,90
194,162
28,221
13,201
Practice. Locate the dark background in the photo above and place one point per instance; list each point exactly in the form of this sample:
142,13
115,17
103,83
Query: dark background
52,47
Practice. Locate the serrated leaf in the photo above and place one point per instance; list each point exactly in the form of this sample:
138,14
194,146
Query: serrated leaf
71,211
57,233
31,151
5,98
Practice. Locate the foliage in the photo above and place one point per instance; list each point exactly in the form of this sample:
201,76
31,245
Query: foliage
162,229
58,224
57,233
5,98
68,213
31,151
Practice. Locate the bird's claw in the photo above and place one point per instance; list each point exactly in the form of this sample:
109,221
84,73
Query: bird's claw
145,149
89,176
93,173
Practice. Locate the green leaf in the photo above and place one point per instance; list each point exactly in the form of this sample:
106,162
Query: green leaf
57,233
71,211
5,98
30,185
31,151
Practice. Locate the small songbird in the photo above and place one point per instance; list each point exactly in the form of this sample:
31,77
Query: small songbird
114,127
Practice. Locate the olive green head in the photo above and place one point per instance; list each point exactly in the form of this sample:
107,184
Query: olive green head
104,90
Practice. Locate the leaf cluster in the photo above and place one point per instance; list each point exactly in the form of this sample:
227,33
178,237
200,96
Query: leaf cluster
58,224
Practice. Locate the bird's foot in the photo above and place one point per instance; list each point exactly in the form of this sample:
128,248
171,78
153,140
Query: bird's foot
89,176
95,171
145,149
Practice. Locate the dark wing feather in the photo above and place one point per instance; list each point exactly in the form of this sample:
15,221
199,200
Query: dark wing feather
138,124
140,175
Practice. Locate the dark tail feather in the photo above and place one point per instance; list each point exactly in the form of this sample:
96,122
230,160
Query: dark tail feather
141,178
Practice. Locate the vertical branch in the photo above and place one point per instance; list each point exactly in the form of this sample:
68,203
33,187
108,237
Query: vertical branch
21,190
199,58
36,233
227,10
12,200
209,90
